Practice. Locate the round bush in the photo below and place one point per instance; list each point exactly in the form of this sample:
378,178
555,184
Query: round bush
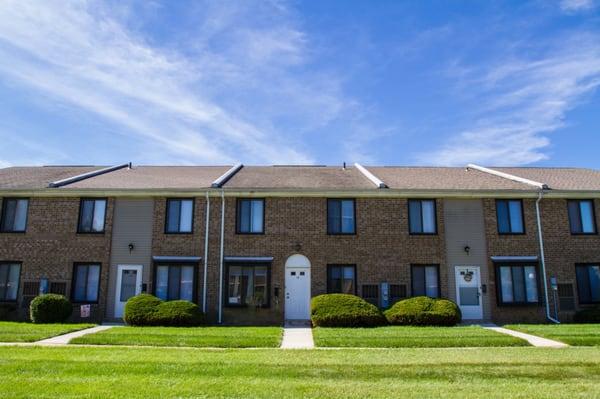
50,308
178,314
424,311
591,315
140,309
343,310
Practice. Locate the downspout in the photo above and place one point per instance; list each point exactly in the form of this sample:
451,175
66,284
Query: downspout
542,256
220,319
206,253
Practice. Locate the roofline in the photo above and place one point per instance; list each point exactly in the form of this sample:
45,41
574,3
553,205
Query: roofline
374,179
83,176
541,186
224,178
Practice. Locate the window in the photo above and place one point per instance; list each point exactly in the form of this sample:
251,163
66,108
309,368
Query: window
370,293
14,215
9,281
180,213
340,216
422,217
91,216
248,285
582,217
250,216
425,280
510,216
86,282
173,282
341,279
588,283
517,284
566,297
397,292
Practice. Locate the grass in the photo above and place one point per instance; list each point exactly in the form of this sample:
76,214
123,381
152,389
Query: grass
572,334
412,337
103,372
211,337
28,332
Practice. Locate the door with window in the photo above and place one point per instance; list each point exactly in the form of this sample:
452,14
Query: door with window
129,284
297,288
468,292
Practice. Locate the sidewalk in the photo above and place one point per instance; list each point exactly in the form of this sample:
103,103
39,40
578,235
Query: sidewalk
532,339
65,338
297,337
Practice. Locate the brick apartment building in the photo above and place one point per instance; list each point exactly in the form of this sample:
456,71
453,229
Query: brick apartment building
253,244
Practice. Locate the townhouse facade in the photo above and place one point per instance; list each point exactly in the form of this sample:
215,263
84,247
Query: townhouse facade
253,244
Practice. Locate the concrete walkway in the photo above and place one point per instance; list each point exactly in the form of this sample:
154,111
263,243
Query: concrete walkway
532,339
65,338
297,337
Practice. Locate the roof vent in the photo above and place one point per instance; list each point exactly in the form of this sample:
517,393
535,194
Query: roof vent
541,186
74,179
226,176
374,179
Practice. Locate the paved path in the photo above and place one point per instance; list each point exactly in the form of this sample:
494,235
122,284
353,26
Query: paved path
297,337
65,338
532,339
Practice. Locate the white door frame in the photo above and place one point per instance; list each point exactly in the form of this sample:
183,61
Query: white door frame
479,312
300,264
119,306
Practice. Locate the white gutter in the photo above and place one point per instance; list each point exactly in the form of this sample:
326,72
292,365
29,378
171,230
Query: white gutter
542,257
541,186
220,318
87,175
374,179
204,283
226,176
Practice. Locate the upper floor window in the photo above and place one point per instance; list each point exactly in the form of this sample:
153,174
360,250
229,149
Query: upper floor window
9,281
180,214
250,216
510,216
341,279
581,217
174,282
422,217
341,216
425,280
86,282
517,284
14,215
92,213
588,283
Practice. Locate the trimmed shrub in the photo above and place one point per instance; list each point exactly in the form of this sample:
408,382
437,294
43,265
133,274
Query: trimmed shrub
140,310
178,314
424,311
591,315
50,308
343,310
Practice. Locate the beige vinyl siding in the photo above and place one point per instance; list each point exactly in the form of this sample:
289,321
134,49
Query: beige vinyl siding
132,224
464,226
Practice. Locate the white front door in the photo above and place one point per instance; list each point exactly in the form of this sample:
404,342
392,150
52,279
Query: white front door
468,292
297,288
129,283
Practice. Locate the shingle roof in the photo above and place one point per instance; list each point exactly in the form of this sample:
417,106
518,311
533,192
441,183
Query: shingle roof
560,178
35,177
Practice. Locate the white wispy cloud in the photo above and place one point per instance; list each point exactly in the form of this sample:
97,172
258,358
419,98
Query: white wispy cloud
519,100
570,6
221,97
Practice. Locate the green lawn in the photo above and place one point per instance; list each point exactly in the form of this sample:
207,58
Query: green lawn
412,337
572,334
211,337
29,332
96,372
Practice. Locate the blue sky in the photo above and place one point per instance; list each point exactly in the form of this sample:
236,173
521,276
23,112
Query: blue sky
300,82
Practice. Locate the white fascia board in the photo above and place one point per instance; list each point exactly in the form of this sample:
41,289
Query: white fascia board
226,176
541,186
374,179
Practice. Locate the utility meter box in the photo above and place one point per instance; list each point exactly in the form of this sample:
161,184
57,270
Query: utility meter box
384,297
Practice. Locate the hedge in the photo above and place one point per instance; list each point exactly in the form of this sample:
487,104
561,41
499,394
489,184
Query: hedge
148,310
140,309
50,308
343,310
424,311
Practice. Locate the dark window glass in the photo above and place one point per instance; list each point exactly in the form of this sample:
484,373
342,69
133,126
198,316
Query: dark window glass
14,215
248,285
517,284
425,281
588,283
250,216
422,216
92,213
86,282
174,282
9,281
340,216
180,214
581,217
397,292
510,216
370,293
341,279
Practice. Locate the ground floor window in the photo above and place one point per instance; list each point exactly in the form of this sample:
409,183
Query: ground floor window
174,282
588,283
9,281
425,280
248,285
370,293
517,284
86,282
341,279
